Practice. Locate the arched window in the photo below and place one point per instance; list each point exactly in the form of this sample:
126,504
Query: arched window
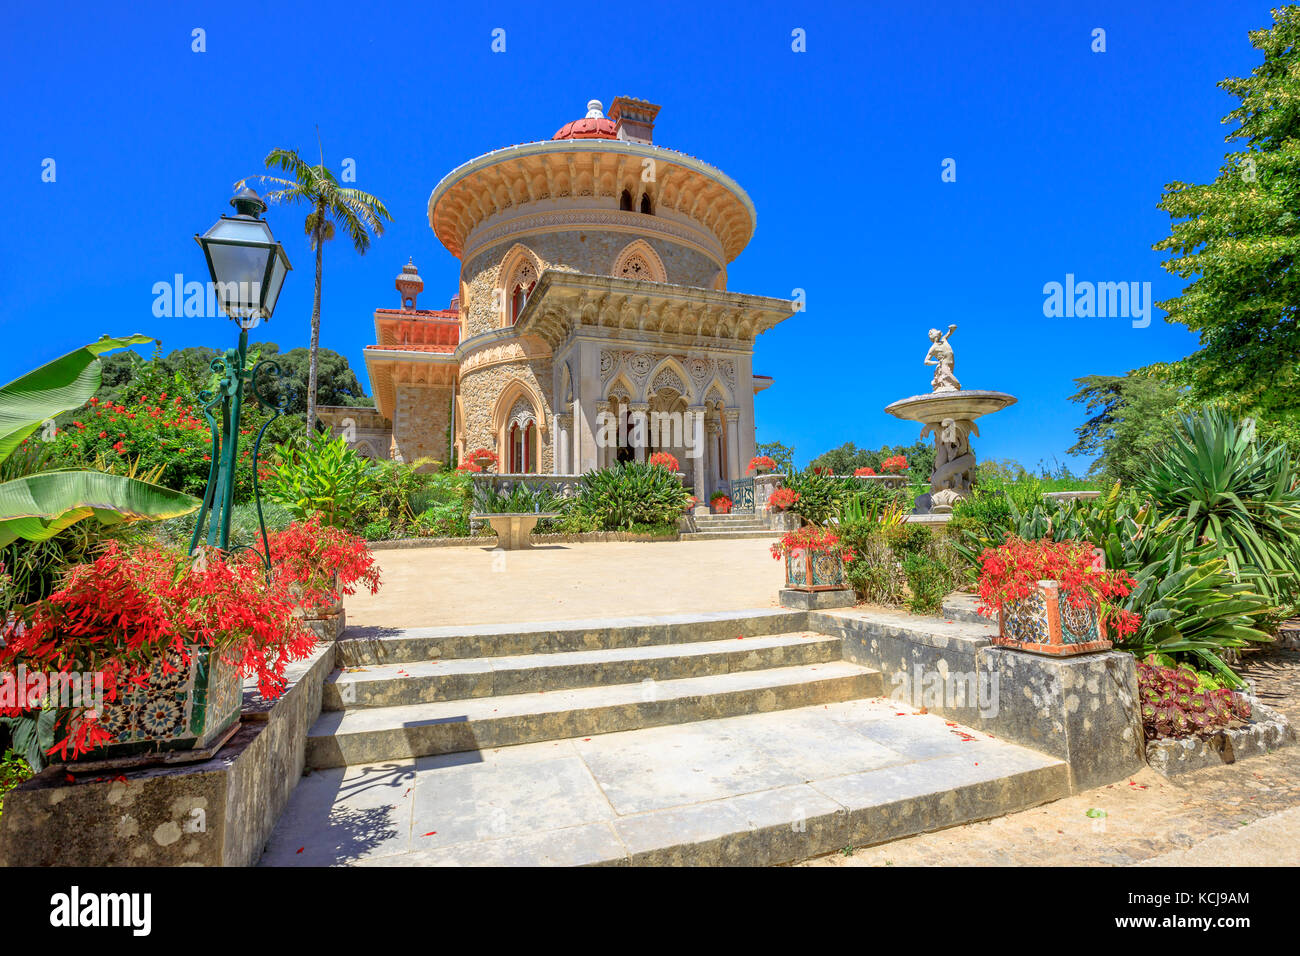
645,205
523,278
625,201
522,439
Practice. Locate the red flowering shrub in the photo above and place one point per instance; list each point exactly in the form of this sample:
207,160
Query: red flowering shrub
1174,705
122,612
781,499
811,538
665,460
864,472
895,465
166,432
468,466
762,461
1011,571
310,556
720,502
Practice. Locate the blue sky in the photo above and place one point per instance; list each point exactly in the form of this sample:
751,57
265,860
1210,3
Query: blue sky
1060,155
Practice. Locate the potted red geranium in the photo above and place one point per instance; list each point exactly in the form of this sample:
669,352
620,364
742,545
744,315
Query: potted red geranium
167,639
864,472
782,499
814,559
480,459
1053,597
720,503
319,565
762,464
665,460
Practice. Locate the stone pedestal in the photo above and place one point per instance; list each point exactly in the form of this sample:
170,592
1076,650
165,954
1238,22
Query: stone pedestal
513,529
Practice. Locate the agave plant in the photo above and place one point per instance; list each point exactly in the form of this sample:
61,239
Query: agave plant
36,503
1191,602
630,494
1236,493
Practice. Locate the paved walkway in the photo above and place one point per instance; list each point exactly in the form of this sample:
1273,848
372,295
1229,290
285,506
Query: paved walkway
431,587
1242,814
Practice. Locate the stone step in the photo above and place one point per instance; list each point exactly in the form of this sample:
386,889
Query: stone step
961,607
723,535
758,789
341,738
390,685
361,646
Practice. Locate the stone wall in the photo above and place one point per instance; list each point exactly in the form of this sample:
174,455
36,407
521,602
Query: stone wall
481,387
217,812
421,422
591,251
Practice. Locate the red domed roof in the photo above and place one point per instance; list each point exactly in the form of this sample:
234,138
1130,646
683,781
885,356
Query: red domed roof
588,129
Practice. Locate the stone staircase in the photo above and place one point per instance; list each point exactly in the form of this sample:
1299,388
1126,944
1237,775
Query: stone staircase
421,692
735,525
731,738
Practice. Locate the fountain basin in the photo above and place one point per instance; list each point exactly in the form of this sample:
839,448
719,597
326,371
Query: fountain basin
965,405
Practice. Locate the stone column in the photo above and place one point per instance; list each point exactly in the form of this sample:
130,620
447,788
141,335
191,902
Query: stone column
695,421
735,467
604,454
641,431
562,456
712,469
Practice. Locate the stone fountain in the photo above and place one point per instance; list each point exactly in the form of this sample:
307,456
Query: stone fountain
948,413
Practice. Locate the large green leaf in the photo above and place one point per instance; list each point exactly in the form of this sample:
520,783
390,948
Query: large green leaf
66,383
39,506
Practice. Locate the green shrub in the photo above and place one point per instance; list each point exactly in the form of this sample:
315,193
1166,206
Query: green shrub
632,493
906,538
13,771
322,475
874,573
928,582
377,530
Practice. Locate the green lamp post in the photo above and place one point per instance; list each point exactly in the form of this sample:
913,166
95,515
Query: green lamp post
248,269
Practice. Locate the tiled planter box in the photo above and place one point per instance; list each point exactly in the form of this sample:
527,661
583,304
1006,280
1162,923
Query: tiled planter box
189,709
1046,623
814,570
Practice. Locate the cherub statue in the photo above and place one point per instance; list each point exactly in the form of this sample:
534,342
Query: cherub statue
940,356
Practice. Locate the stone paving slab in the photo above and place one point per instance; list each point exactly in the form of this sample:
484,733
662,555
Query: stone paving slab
568,582
756,789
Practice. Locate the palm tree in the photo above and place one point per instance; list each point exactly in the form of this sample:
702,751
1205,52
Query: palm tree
358,213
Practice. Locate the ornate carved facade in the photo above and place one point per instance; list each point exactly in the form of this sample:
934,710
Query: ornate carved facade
593,323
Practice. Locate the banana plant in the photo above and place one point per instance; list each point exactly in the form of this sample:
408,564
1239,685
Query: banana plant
36,507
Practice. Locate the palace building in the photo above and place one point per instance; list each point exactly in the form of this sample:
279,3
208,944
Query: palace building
592,302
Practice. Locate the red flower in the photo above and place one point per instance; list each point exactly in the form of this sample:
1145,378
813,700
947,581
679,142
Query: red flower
894,465
762,461
864,472
665,460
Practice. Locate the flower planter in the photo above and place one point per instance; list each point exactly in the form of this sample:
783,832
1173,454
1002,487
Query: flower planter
191,708
326,621
1045,622
808,570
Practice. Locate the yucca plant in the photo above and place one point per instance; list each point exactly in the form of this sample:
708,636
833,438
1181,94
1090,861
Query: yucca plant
1235,493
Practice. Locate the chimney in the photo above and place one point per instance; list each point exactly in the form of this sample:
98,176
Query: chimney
635,119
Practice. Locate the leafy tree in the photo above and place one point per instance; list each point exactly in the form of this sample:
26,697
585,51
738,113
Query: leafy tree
783,455
188,371
848,458
357,213
1239,236
1133,417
